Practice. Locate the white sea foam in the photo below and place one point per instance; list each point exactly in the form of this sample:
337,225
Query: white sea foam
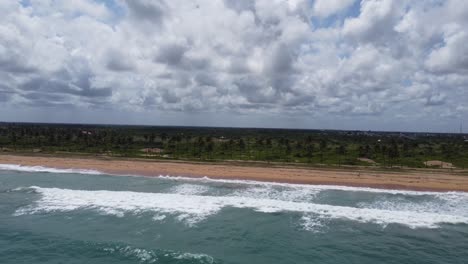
154,256
293,194
207,180
449,203
189,189
190,256
310,187
194,208
159,217
143,255
311,223
14,167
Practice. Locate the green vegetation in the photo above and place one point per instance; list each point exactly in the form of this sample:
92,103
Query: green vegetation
319,147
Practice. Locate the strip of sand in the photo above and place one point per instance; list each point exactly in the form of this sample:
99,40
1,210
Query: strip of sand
432,180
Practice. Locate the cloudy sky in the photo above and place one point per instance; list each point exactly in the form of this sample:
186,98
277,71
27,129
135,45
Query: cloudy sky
342,64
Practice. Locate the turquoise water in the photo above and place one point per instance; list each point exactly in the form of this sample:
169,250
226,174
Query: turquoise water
55,216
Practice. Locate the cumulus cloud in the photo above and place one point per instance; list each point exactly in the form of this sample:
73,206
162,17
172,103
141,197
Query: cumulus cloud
452,56
147,10
375,22
119,61
325,8
247,56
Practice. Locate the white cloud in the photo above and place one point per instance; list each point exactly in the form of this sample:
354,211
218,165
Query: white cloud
96,10
453,55
376,20
249,56
325,8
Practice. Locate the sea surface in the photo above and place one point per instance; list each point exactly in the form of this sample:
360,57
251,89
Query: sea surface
73,216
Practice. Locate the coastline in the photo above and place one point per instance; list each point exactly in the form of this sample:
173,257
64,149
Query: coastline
419,180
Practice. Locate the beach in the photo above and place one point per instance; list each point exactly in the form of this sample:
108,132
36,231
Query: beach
67,210
422,179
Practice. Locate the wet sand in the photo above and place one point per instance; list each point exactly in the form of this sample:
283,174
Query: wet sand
433,180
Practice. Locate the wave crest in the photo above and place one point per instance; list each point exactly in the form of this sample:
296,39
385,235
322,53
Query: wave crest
192,209
15,167
157,256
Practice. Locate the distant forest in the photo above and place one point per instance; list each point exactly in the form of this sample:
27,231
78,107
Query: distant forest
314,147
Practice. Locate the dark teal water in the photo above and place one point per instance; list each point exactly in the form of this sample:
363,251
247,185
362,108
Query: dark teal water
64,217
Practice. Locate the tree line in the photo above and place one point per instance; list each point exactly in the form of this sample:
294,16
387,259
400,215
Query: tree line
324,147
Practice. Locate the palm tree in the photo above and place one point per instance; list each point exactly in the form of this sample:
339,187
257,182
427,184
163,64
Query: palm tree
241,147
340,150
323,147
201,145
210,149
310,152
259,147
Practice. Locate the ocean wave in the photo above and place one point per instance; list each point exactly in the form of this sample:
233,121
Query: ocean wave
207,180
192,209
283,193
159,217
155,256
310,223
142,255
203,258
310,187
450,204
15,167
189,189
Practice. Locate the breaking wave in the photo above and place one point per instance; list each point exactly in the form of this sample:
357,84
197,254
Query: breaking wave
190,189
155,256
192,209
310,189
14,167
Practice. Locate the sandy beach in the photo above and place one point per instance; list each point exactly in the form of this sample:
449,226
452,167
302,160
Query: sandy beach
434,180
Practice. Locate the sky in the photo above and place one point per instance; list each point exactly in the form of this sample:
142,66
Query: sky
324,64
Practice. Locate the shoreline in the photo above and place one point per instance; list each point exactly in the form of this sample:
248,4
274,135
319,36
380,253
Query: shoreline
417,180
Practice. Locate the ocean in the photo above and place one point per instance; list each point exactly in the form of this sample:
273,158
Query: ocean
73,216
